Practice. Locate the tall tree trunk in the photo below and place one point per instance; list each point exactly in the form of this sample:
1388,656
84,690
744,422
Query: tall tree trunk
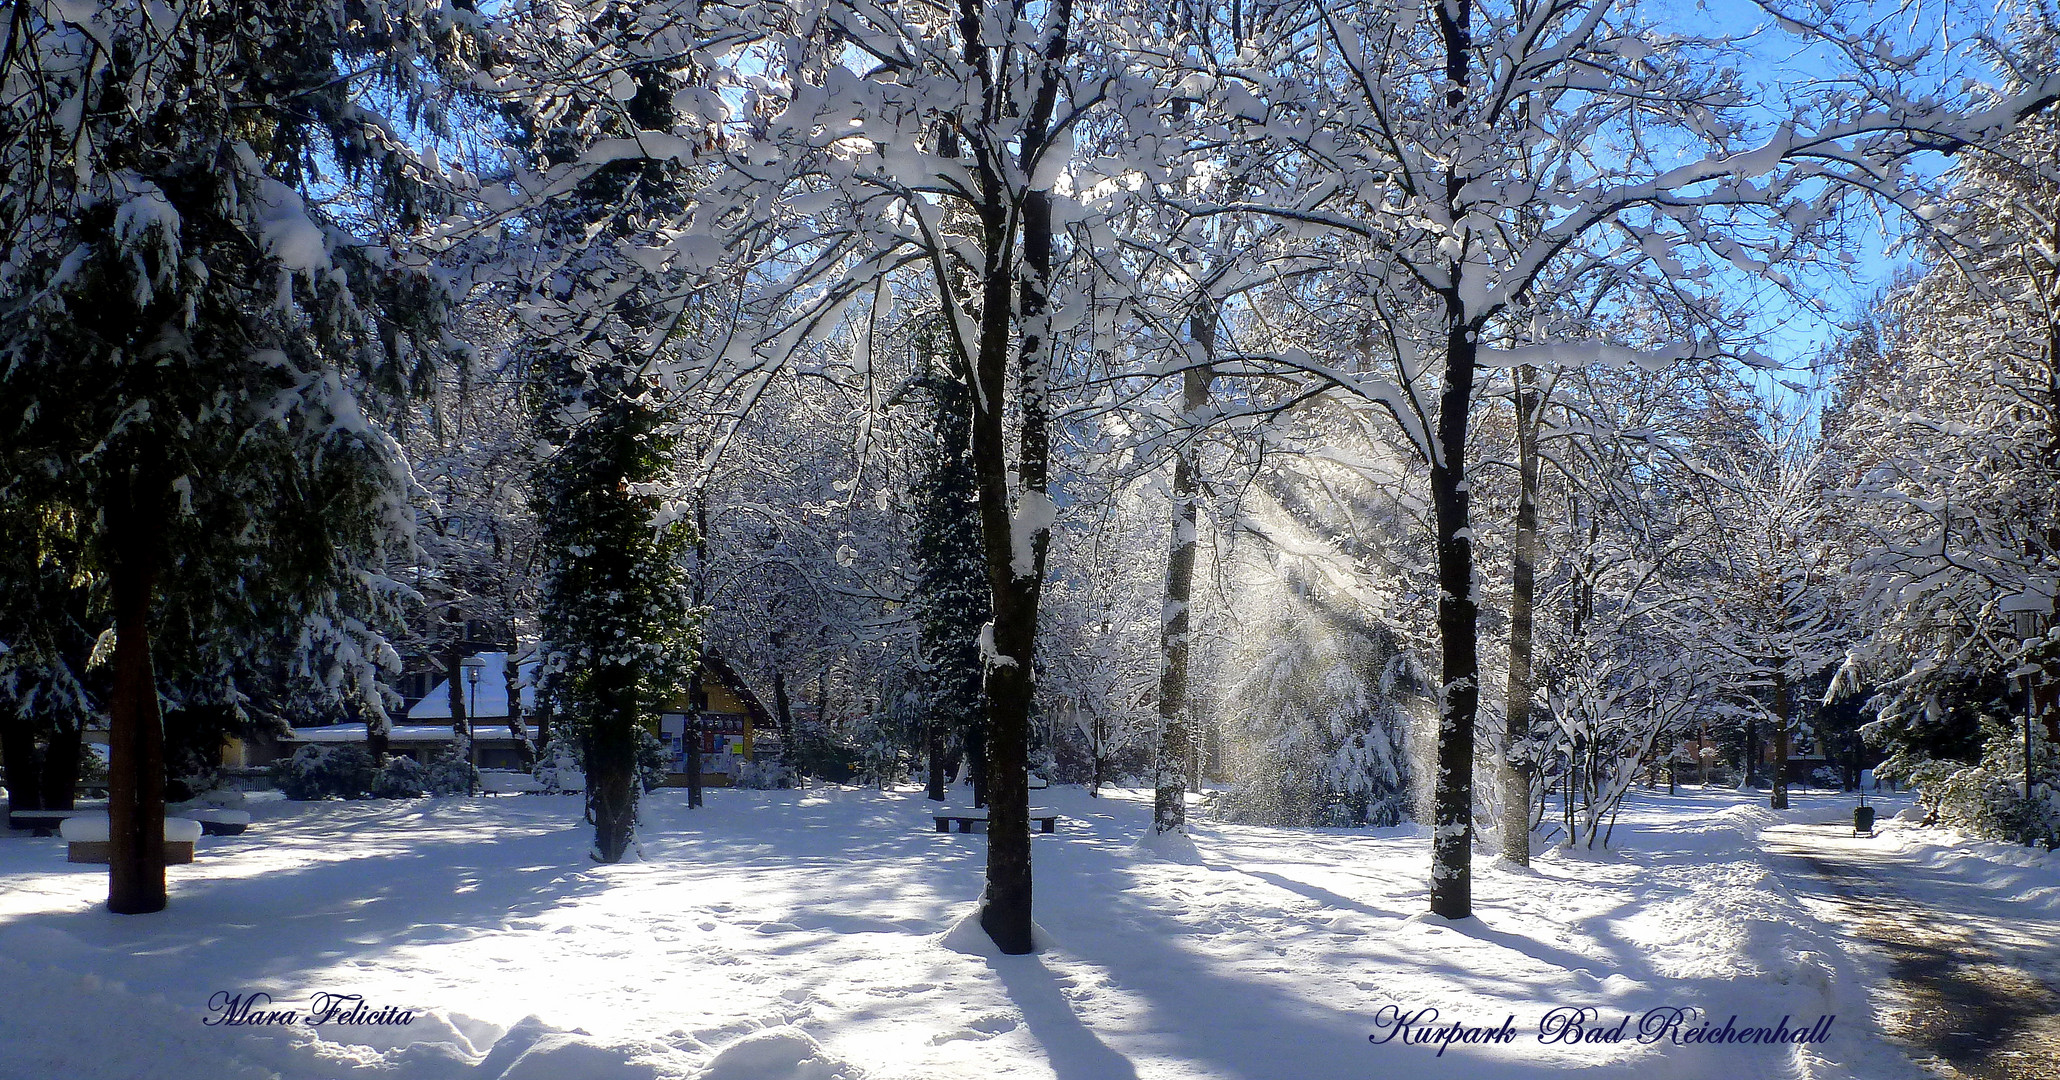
697,687
1015,519
1169,804
1460,691
1782,709
23,761
517,725
136,766
934,751
1752,750
461,720
693,741
1100,747
611,754
783,709
1016,582
1516,770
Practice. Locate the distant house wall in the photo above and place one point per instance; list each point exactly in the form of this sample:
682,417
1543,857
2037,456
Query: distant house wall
729,718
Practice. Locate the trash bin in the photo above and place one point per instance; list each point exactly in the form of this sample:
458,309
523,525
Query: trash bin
1863,821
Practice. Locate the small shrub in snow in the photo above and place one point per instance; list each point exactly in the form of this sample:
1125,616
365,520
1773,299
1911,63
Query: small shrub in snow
403,778
654,762
764,777
1987,799
325,772
558,766
451,774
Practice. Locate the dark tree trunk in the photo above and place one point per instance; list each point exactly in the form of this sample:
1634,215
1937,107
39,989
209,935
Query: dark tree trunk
461,720
783,710
1014,518
697,686
24,763
1176,719
934,751
543,718
61,767
136,766
517,728
1516,770
611,753
1005,906
1460,690
1752,750
1101,757
976,759
1452,797
693,739
1778,800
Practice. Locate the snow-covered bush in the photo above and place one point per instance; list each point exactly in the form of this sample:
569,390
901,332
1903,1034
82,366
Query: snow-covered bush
403,778
451,774
325,772
654,762
1987,799
764,776
558,766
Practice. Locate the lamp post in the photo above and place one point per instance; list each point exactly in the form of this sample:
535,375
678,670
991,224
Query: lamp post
473,665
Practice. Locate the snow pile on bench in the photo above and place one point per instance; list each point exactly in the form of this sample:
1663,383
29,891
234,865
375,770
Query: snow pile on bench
92,829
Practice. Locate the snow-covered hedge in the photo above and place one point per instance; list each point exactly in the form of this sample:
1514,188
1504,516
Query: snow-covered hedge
403,778
766,776
325,772
346,772
451,774
558,767
1987,799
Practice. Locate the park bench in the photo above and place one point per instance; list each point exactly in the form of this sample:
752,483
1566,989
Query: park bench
1046,822
215,822
44,822
86,838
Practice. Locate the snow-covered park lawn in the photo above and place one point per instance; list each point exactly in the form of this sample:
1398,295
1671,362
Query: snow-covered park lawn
805,934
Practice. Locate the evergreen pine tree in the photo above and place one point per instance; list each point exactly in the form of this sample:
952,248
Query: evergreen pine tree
187,342
951,596
618,629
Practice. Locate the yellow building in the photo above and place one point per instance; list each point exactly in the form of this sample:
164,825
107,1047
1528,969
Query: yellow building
734,727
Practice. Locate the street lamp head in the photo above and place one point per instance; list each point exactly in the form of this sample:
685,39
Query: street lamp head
473,665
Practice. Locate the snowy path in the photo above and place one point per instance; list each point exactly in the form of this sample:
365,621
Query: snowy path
1973,973
799,935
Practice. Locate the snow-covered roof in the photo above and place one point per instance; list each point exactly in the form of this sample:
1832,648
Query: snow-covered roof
491,697
401,733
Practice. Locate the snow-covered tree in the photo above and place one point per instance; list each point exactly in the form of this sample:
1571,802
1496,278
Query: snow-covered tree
619,635
1464,156
950,591
192,324
1947,428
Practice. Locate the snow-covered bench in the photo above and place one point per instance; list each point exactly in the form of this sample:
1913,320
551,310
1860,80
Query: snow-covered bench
44,822
218,822
86,838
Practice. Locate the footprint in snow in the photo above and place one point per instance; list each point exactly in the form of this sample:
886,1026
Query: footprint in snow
986,1027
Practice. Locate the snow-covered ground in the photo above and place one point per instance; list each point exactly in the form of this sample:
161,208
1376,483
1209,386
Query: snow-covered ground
805,934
